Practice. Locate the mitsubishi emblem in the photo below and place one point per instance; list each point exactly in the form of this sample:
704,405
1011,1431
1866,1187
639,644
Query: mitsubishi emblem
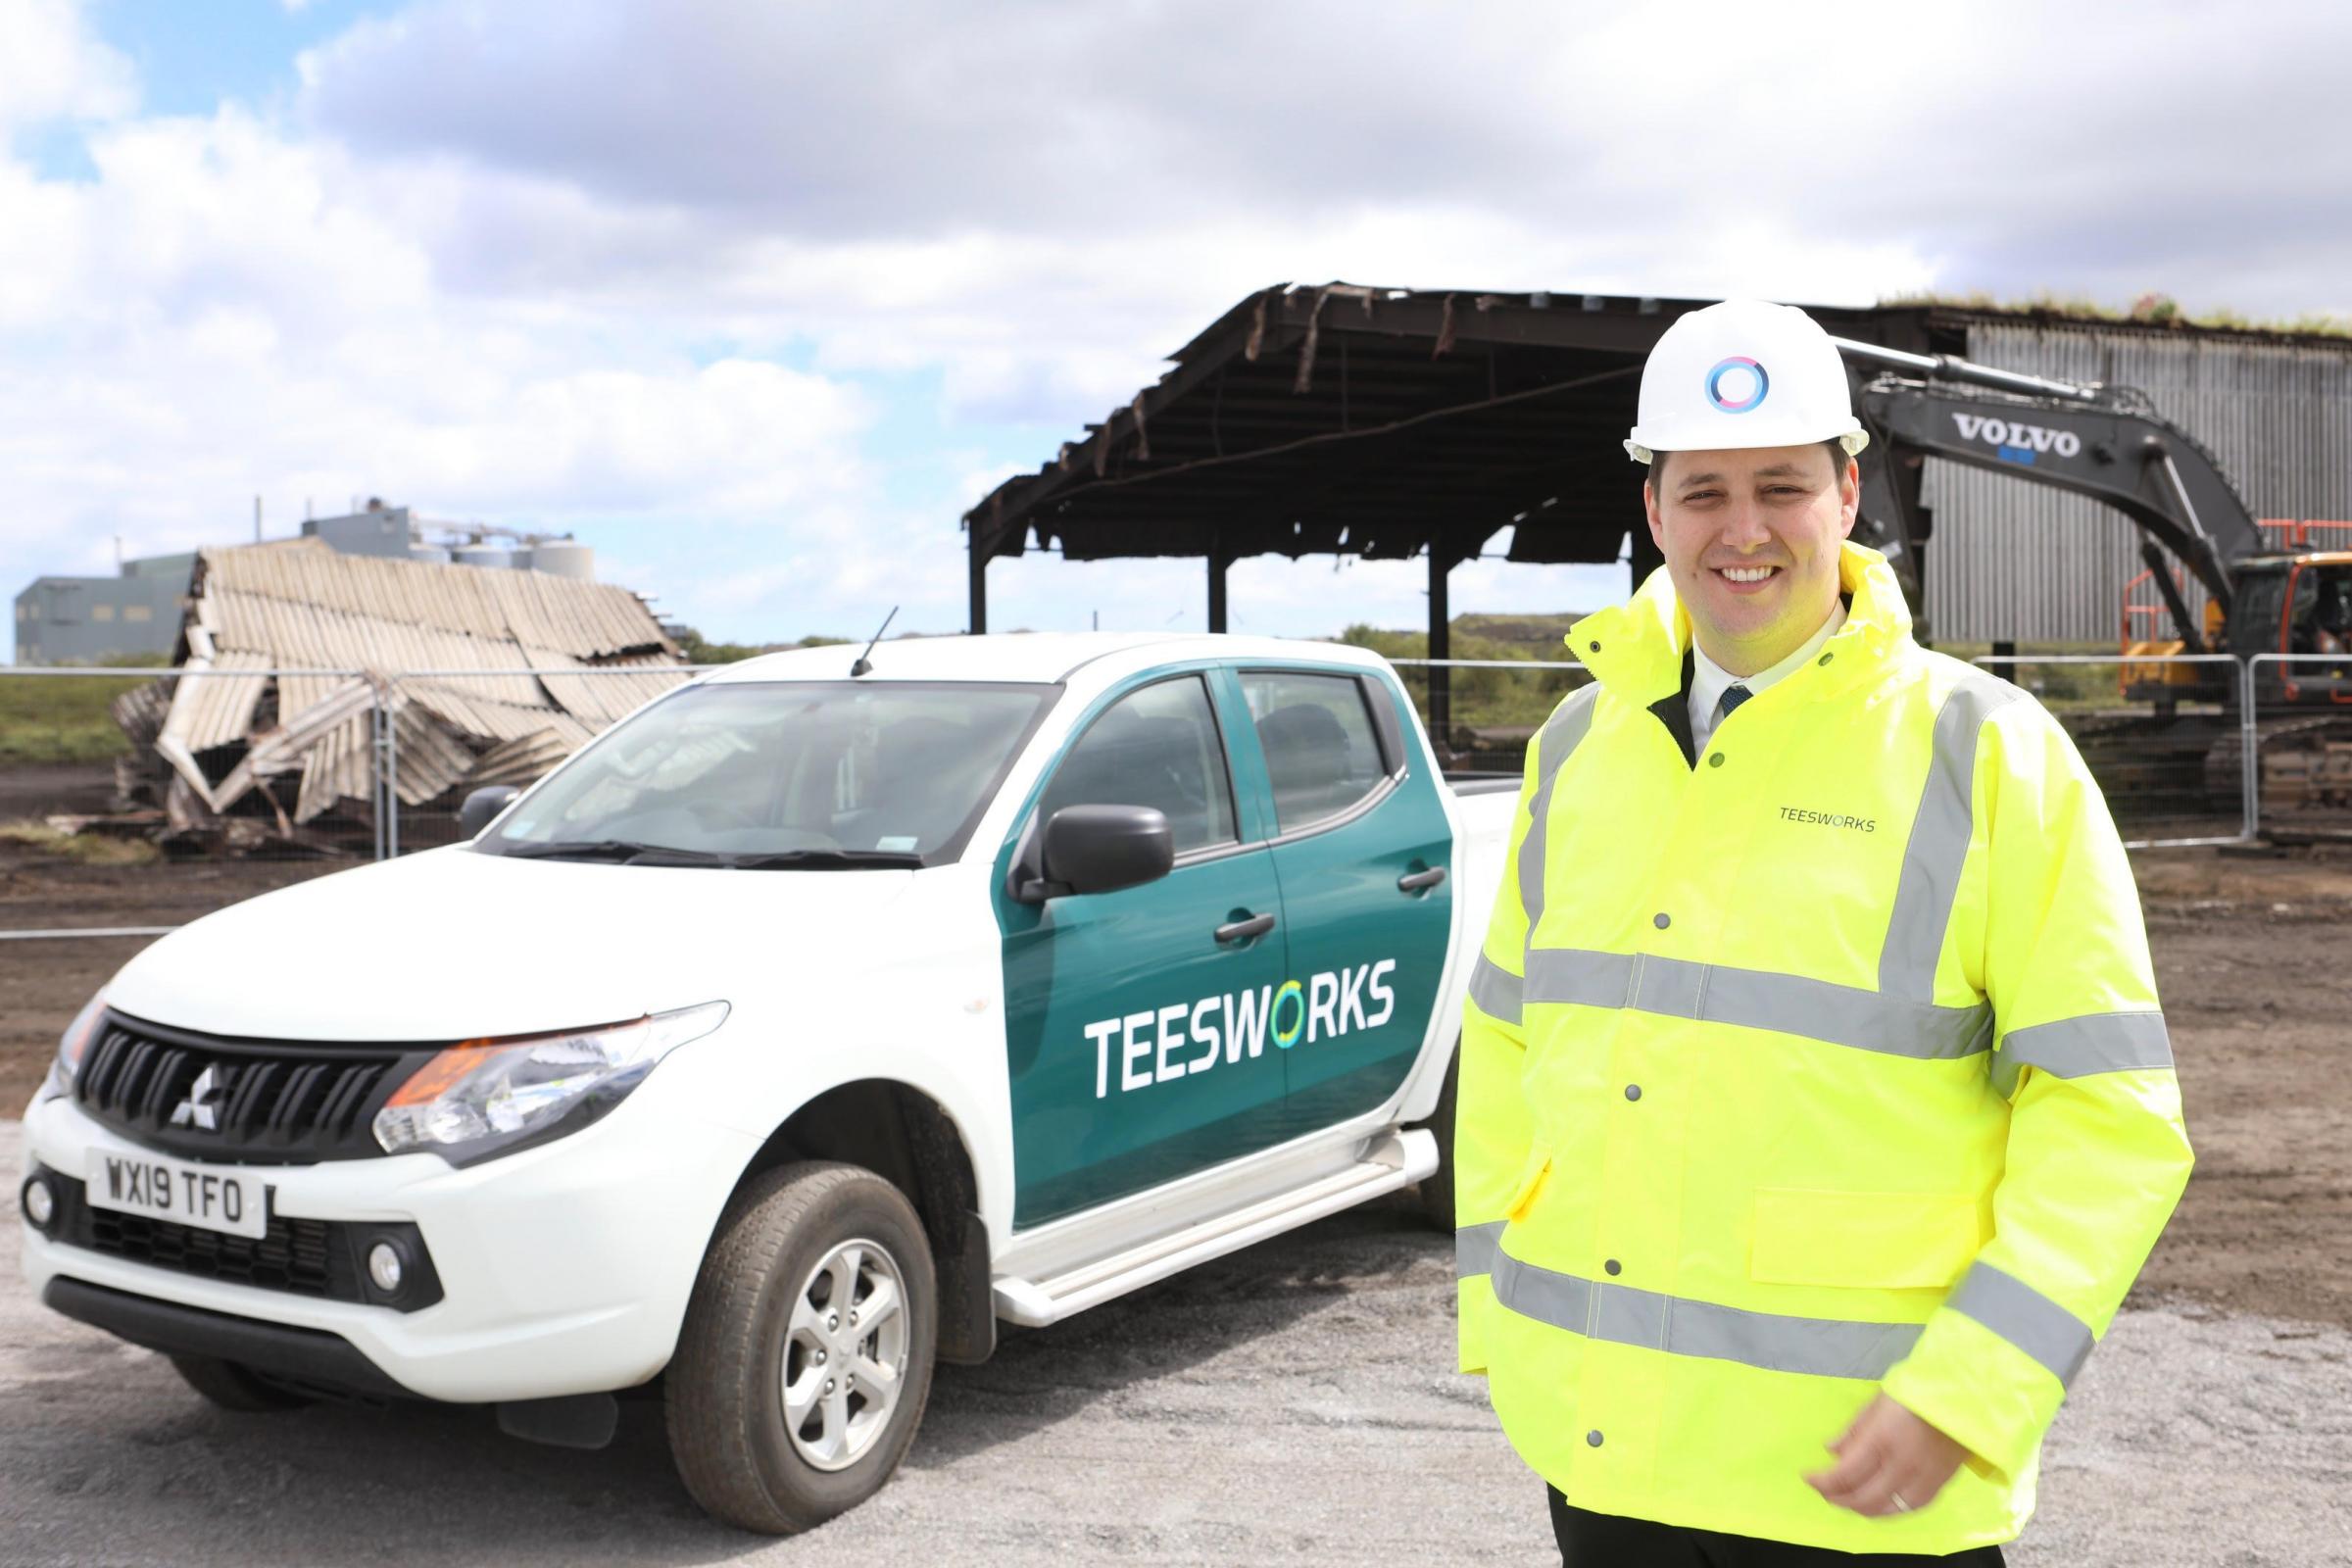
197,1109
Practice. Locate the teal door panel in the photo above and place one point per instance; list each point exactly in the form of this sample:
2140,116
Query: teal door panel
1139,1046
1355,815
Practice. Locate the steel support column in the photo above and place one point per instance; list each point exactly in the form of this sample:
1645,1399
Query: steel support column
1216,590
977,568
1440,646
1646,558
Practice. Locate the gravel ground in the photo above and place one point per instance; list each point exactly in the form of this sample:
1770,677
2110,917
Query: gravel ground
1290,1404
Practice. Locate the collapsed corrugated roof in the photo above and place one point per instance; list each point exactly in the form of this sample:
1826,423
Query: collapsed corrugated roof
365,623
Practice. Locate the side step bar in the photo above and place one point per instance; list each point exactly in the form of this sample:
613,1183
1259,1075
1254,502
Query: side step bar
1396,1160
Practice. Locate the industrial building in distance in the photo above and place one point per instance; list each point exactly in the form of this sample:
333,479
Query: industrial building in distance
136,614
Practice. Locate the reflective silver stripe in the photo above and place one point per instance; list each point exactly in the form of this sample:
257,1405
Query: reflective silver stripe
2105,1041
1755,999
1560,736
1827,1348
1475,1248
2078,1048
2026,1318
1495,989
1939,844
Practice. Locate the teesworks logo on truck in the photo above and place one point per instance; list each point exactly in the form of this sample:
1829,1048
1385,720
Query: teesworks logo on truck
1151,1045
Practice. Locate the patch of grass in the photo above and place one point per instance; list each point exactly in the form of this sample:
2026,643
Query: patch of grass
61,719
2071,687
90,849
2153,309
1486,697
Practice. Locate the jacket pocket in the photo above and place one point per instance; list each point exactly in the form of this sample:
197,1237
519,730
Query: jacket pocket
1864,1241
1530,1182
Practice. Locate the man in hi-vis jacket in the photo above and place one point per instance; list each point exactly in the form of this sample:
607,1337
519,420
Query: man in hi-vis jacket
1815,1108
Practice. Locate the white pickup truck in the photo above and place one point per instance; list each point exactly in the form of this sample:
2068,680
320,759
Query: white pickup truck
788,1037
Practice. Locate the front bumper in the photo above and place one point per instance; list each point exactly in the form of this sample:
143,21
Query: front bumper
564,1268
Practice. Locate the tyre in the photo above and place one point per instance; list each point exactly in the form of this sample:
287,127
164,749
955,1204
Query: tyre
232,1386
805,1362
1437,1187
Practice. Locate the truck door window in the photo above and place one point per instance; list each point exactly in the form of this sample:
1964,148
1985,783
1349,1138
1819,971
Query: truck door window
1158,747
1321,755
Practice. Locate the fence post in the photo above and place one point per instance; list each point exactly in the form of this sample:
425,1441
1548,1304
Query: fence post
380,724
375,773
2249,760
391,775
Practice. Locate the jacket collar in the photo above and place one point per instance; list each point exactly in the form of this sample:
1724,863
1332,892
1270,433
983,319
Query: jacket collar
1636,649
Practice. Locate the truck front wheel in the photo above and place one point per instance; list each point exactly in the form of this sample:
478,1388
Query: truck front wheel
805,1358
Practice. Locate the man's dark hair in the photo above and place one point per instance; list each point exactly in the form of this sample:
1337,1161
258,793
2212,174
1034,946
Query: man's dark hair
1835,446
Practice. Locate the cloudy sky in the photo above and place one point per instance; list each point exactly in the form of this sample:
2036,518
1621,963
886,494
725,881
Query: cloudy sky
757,297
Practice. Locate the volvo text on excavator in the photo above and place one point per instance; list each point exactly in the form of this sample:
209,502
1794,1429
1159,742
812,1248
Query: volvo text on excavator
2110,444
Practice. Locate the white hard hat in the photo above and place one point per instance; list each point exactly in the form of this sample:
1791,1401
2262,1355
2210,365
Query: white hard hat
1744,374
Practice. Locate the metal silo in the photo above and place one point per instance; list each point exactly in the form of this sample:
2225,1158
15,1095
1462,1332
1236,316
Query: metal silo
563,558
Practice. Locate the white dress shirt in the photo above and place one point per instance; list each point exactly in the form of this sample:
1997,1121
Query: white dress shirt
1708,678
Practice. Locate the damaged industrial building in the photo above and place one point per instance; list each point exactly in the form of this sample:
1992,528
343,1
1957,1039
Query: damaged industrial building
310,688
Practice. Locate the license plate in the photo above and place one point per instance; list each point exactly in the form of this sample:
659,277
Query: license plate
209,1198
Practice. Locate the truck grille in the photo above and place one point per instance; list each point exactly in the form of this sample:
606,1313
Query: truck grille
293,1256
321,1257
244,1101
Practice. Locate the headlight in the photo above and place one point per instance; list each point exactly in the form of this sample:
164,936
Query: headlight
71,1049
487,1095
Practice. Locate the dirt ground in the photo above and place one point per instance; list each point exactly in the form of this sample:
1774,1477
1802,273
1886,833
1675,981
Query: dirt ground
2252,956
44,983
2254,962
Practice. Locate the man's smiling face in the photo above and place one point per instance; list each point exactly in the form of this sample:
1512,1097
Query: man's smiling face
1751,539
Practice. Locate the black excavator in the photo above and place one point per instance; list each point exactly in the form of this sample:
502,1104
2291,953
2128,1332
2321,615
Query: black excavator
2109,443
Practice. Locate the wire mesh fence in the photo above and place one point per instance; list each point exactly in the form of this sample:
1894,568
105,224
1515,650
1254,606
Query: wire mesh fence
446,733
1481,713
2301,726
133,800
2161,735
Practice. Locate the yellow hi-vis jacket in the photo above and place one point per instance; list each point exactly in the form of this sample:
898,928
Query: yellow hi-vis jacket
1828,1065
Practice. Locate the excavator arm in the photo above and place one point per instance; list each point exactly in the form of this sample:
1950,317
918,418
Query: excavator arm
2094,441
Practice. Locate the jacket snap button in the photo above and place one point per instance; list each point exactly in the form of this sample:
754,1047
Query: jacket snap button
1596,647
1594,1438
1633,1091
1613,1266
1662,922
1715,760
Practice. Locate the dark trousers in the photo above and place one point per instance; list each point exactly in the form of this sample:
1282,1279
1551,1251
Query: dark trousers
1605,1541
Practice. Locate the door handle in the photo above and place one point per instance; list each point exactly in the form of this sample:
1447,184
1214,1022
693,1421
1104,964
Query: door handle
1416,881
1257,925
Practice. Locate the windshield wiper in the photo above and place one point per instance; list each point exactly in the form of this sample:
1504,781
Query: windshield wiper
620,850
823,859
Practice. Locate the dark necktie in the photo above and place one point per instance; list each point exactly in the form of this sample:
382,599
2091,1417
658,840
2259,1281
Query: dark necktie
1733,695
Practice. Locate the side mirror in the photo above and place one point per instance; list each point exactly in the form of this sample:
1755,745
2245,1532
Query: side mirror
1098,849
482,806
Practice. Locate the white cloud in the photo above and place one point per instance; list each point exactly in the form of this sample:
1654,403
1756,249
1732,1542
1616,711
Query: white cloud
225,312
626,265
51,68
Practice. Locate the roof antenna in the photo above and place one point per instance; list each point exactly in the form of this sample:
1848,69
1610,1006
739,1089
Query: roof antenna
864,666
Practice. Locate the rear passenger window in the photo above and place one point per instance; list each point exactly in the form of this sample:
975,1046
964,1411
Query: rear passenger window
1318,740
1158,747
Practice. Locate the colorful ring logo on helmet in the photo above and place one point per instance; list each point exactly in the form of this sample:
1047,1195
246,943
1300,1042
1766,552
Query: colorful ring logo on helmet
1738,362
1291,991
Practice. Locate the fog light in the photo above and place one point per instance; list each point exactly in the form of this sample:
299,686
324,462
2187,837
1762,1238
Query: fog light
40,1203
385,1267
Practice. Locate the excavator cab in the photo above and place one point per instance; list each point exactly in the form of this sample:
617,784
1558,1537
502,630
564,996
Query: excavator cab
2315,620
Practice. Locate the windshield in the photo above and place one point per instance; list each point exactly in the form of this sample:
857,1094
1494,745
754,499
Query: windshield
801,775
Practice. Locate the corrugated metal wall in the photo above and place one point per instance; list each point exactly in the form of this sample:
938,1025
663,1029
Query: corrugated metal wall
2022,561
